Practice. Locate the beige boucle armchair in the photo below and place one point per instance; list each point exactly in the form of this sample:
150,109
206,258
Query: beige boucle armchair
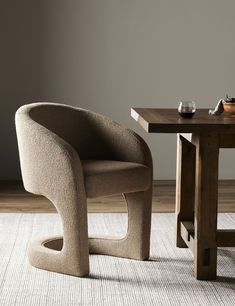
69,154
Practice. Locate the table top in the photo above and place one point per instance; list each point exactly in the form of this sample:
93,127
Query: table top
163,120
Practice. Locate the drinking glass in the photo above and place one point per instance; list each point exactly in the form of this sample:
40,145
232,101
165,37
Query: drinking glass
187,109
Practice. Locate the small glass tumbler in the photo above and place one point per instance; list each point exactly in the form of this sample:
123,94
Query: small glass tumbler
187,109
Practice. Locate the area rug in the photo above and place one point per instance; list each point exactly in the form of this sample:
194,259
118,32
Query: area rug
165,279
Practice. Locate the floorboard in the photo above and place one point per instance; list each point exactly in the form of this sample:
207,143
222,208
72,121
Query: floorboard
13,198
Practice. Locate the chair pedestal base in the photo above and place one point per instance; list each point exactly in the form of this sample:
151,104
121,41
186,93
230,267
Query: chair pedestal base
60,255
49,254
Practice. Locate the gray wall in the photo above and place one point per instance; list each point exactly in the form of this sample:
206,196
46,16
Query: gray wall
110,55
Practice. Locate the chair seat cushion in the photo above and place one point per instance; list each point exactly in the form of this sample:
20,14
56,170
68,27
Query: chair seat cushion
106,177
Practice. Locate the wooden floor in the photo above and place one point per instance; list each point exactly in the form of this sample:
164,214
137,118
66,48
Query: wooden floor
13,198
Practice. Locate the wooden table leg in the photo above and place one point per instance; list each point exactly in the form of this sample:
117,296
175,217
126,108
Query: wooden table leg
185,185
206,195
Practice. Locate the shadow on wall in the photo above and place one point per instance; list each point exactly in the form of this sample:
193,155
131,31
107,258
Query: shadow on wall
88,53
21,73
38,55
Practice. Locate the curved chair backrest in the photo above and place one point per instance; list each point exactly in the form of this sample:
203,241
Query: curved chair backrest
81,128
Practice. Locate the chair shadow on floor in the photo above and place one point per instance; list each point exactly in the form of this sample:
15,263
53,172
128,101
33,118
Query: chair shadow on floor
182,269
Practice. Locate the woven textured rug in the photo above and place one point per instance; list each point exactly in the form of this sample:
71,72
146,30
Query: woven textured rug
166,279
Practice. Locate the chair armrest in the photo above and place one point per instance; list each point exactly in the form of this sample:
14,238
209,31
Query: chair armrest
123,143
48,162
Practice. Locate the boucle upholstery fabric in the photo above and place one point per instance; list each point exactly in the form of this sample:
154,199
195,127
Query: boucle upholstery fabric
106,177
64,152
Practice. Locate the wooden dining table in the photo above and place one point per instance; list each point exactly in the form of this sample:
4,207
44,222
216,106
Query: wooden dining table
198,144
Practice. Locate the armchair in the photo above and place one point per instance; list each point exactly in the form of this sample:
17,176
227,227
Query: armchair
69,154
